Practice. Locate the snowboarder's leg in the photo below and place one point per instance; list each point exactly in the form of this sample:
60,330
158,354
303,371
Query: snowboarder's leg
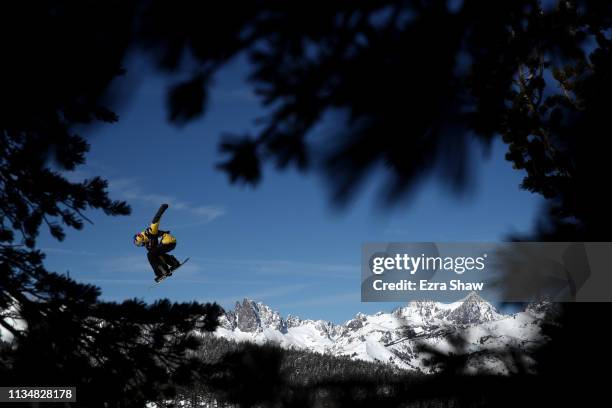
165,259
155,263
169,261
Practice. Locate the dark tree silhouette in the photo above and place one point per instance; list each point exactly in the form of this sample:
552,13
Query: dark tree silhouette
59,59
52,80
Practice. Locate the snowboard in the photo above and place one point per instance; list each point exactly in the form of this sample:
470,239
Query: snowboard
166,274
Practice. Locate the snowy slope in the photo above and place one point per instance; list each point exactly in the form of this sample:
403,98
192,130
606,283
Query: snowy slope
407,337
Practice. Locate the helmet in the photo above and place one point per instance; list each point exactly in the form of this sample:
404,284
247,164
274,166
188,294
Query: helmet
139,239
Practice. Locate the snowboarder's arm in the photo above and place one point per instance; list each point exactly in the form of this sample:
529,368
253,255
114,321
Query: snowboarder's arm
154,228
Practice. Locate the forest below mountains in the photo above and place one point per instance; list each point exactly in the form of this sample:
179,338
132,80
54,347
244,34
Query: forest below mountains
267,375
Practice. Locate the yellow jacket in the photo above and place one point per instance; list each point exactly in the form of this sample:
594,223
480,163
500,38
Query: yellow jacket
153,230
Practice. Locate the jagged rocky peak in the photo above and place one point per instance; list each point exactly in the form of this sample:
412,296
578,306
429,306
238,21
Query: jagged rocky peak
247,316
251,316
357,322
329,329
293,321
427,309
324,327
473,310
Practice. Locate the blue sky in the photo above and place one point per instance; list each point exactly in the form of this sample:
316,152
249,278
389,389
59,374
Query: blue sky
282,243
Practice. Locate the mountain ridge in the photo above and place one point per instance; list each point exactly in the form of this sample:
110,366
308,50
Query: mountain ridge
406,337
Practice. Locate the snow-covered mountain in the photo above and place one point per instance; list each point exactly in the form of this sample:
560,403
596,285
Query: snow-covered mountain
407,337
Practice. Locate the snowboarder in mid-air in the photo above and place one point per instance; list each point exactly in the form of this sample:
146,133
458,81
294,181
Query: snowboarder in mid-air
158,244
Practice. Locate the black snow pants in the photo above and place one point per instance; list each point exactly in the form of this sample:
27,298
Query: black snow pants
161,260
